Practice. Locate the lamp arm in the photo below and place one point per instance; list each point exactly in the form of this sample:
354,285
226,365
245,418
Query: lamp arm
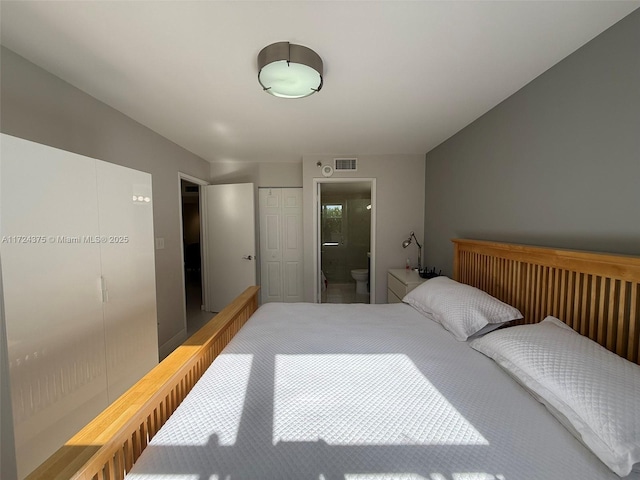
416,239
419,251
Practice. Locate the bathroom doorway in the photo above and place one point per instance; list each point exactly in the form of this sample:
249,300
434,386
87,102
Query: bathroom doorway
345,234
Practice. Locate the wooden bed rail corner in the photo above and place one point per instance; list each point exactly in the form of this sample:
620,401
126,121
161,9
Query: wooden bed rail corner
108,446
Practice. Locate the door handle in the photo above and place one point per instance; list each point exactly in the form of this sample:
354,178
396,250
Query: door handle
248,257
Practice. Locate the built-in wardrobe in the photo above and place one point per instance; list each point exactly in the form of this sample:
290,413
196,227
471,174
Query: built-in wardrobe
79,289
281,260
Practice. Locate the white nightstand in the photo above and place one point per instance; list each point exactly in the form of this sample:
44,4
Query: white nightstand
401,281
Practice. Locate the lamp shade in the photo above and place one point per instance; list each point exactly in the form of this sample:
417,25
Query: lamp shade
289,71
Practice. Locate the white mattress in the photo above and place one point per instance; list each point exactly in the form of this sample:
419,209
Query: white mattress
356,392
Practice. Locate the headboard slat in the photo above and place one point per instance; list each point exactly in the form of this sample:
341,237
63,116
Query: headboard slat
593,301
597,294
621,345
634,327
611,314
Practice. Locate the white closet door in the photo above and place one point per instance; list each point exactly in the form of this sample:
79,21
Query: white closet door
292,245
281,244
271,275
52,295
128,271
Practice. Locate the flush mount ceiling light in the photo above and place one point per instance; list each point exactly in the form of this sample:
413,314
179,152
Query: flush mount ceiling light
289,71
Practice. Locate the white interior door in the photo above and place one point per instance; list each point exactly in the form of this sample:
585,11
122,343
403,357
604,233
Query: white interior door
229,242
270,201
281,260
292,258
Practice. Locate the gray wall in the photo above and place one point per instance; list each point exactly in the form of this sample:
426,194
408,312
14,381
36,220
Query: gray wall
399,209
556,164
42,108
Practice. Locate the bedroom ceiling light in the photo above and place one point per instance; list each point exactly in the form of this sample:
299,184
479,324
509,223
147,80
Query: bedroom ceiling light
408,242
287,70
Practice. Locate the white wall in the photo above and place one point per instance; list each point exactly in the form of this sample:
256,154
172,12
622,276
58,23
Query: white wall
284,174
400,209
41,107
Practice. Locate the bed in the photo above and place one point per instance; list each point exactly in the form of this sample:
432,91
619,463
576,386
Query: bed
364,391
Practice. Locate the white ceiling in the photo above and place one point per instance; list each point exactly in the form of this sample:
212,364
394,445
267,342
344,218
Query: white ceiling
400,77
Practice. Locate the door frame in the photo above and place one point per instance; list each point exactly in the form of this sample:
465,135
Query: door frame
200,183
317,265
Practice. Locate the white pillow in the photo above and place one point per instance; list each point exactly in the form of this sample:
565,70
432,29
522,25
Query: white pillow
592,391
462,309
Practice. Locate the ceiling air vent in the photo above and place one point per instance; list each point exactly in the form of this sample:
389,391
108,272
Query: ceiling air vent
346,164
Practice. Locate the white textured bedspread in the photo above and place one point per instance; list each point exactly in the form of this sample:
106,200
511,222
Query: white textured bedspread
356,392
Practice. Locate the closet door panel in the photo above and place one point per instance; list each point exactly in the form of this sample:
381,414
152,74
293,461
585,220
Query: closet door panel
52,295
270,207
281,244
293,282
273,287
128,270
292,250
292,199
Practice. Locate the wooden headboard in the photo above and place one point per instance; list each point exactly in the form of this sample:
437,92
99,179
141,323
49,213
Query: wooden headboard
595,293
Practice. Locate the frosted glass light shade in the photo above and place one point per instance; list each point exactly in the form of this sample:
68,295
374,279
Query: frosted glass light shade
289,71
289,80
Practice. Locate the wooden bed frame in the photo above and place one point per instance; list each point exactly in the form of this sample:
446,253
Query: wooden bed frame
597,294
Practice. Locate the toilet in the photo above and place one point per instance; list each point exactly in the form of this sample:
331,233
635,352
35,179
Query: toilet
361,276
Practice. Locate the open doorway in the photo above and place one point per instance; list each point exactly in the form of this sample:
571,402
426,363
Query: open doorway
345,241
196,317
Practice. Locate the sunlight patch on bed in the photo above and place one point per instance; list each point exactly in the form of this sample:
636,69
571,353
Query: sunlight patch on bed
468,476
173,476
414,476
363,400
178,476
384,476
232,371
477,476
